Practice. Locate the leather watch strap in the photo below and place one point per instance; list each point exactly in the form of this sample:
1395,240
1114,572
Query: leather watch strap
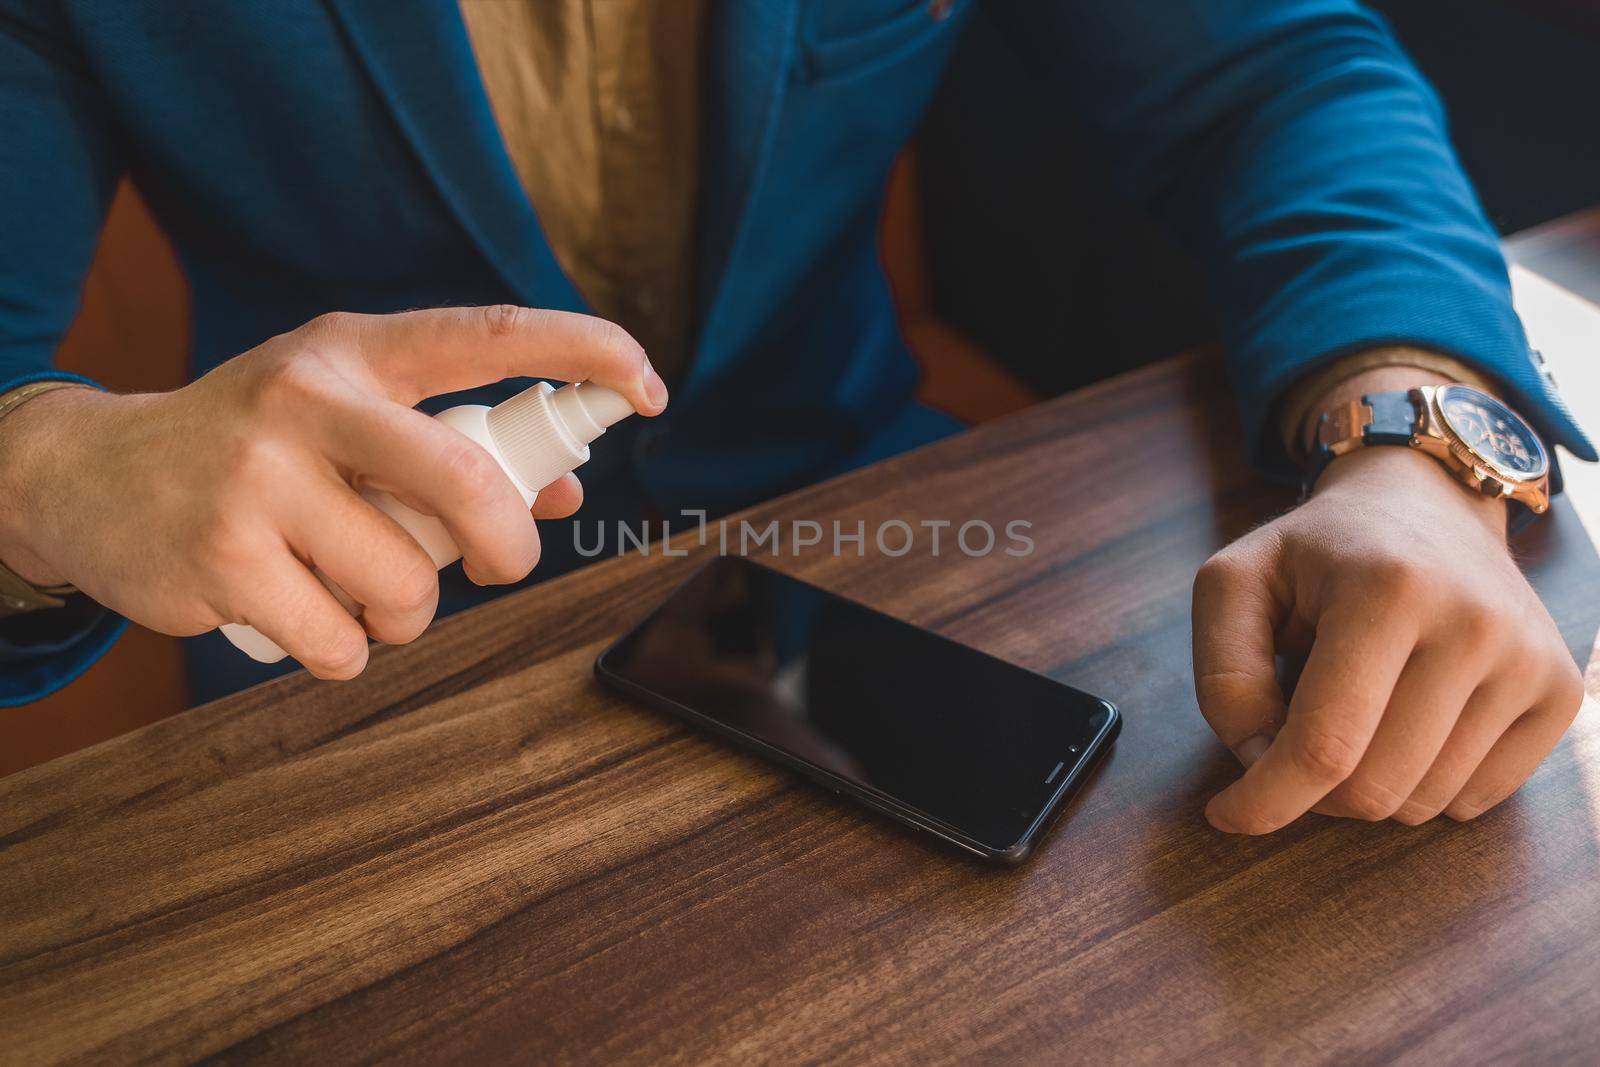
1375,419
1394,418
1296,407
17,595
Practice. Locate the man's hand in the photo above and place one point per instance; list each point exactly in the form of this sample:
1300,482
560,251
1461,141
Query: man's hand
1434,681
212,504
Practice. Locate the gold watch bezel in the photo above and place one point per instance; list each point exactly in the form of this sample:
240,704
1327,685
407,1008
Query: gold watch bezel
1467,452
1438,438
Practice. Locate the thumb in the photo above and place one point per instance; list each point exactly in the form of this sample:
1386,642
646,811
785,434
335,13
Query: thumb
417,354
1237,611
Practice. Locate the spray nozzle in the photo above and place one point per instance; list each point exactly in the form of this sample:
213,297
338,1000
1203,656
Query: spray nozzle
588,408
543,433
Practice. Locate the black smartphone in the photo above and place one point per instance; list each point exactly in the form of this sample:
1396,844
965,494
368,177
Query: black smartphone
930,732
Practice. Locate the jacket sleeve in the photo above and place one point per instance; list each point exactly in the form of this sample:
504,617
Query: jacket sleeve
1301,157
59,164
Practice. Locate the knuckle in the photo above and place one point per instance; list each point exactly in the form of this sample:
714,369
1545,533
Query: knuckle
1301,540
1218,687
1569,688
1476,621
1327,756
255,462
1415,812
295,380
500,320
330,322
397,631
414,592
1369,801
220,543
1218,573
617,347
1398,575
514,559
1233,690
343,654
1477,624
473,474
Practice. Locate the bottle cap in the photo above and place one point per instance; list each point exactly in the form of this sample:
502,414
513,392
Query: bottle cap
543,433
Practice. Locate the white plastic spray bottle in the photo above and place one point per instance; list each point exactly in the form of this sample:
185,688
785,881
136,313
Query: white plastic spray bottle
536,437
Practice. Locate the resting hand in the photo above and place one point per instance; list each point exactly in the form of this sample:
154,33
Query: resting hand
1435,680
212,503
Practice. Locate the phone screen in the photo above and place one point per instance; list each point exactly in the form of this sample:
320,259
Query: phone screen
965,739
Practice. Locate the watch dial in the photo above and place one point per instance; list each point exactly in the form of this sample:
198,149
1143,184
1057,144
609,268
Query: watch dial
1493,431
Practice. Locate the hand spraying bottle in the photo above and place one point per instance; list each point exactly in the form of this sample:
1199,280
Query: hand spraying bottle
536,437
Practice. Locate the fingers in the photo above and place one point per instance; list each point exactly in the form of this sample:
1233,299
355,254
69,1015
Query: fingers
1421,713
418,354
1484,718
367,554
559,499
1349,676
437,470
1236,615
1519,750
290,606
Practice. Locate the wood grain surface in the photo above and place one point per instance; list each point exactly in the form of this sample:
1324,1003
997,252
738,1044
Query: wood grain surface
474,853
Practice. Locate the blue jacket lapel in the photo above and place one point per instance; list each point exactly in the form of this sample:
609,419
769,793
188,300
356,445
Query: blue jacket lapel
421,62
750,51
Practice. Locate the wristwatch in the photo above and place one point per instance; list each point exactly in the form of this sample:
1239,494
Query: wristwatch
1478,438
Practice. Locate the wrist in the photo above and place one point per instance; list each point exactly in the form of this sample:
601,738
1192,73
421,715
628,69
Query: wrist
1408,472
1412,477
28,440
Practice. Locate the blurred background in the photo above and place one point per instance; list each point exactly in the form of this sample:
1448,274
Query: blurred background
978,277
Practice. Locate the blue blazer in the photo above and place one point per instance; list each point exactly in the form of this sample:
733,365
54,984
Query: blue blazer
309,155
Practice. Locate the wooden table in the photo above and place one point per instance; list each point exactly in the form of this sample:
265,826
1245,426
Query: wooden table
474,852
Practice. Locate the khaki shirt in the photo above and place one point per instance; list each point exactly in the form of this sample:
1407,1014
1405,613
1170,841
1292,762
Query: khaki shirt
598,104
599,107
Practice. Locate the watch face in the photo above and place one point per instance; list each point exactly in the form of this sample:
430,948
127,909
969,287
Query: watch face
1492,430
